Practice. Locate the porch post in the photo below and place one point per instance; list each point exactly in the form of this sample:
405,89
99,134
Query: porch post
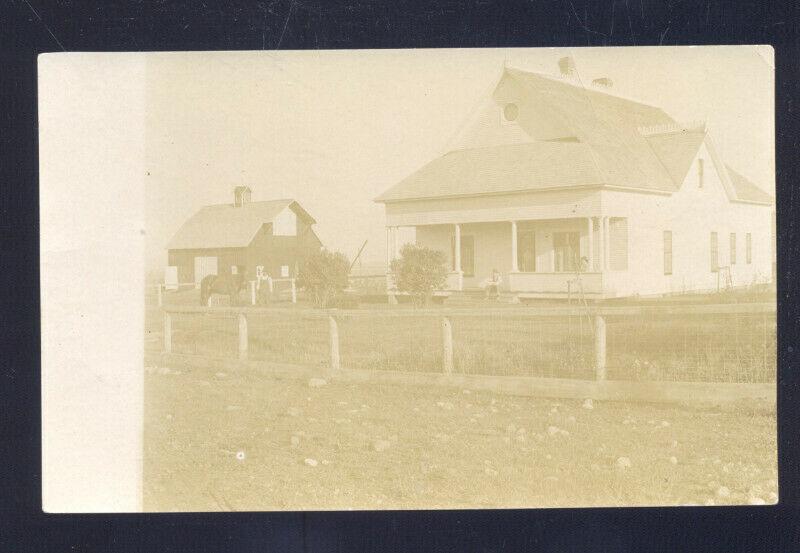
388,249
457,248
605,243
590,249
514,262
396,242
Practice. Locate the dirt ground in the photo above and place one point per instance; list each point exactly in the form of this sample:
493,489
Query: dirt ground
245,441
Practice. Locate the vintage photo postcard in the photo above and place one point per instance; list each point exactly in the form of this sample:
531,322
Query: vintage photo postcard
408,279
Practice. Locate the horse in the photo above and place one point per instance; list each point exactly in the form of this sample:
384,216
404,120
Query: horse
227,285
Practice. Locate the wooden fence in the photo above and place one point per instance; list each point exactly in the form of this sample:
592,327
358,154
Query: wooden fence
595,319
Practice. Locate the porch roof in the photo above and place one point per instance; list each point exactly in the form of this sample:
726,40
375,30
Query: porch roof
499,169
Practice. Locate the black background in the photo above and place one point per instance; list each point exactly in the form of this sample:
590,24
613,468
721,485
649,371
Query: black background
28,28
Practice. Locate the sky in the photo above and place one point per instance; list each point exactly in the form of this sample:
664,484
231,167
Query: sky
334,129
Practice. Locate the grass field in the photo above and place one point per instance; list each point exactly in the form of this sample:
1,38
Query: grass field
244,441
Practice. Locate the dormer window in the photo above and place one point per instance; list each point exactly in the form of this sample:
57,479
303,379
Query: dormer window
510,112
700,172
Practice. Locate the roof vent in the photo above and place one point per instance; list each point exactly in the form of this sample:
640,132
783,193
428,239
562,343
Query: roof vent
603,82
567,66
241,196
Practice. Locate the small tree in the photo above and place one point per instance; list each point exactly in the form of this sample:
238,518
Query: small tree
324,275
419,271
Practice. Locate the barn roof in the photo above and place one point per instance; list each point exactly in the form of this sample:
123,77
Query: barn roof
570,136
227,226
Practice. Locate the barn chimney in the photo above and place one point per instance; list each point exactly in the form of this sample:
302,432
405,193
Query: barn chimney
241,196
567,66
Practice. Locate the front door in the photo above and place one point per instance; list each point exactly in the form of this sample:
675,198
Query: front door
566,247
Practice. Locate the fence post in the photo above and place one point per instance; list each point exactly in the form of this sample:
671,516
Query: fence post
160,297
334,340
600,347
242,336
252,292
167,332
294,292
447,345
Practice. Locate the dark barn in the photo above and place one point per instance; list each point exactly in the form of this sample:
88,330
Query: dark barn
276,234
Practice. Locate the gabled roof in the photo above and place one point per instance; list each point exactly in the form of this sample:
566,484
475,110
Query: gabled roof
677,150
747,191
567,96
227,226
565,136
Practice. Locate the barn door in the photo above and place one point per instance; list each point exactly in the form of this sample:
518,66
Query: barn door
204,266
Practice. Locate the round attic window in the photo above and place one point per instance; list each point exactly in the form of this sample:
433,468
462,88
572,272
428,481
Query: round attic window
510,112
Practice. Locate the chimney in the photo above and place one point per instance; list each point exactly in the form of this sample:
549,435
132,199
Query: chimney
241,196
603,82
567,66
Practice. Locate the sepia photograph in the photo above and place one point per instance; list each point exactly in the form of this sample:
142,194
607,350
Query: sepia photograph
416,279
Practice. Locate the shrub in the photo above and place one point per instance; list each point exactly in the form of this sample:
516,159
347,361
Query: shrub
324,276
419,271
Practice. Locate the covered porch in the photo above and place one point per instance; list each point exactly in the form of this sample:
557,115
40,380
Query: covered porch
536,258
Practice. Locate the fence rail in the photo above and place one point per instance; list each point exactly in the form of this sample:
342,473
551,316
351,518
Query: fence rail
714,343
510,312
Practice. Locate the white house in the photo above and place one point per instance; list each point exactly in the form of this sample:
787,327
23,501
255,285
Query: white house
556,179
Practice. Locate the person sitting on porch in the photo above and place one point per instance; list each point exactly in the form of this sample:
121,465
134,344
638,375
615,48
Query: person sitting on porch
492,284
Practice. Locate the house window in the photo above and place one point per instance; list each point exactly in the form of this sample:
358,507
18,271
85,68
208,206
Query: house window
526,251
467,255
700,171
714,253
566,249
733,248
618,243
667,252
748,239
